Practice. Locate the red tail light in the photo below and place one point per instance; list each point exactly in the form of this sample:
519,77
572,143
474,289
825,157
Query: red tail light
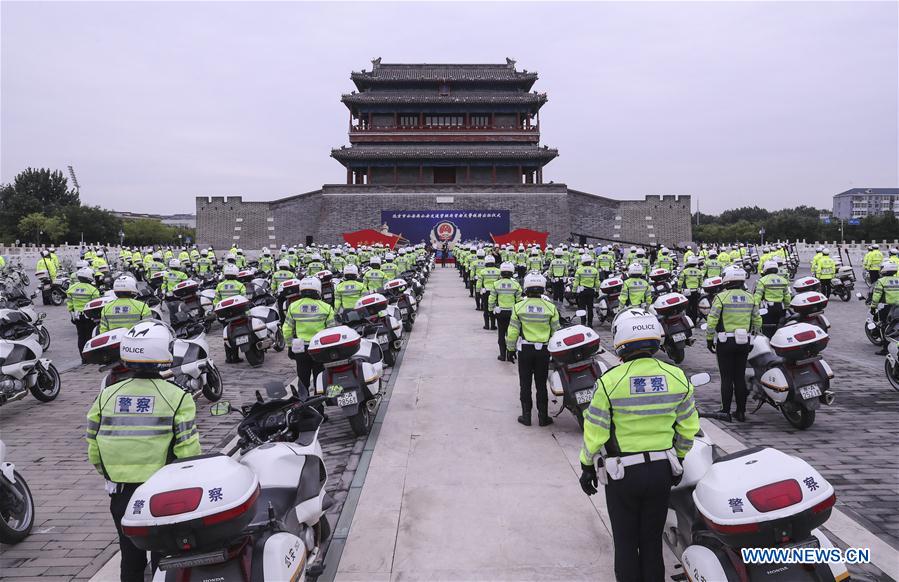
804,336
814,298
672,300
100,341
343,368
230,514
776,495
579,368
573,339
740,528
826,504
176,502
227,302
135,532
329,339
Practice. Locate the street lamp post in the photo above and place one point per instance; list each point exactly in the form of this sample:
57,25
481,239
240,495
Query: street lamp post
762,234
121,237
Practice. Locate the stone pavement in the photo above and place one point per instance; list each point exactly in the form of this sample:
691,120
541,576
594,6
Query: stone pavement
73,535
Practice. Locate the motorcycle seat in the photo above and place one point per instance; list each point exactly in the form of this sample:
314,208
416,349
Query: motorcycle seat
766,360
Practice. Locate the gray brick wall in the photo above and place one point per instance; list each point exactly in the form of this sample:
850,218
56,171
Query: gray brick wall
223,221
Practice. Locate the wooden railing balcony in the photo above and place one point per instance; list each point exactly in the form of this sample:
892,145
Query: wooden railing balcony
360,128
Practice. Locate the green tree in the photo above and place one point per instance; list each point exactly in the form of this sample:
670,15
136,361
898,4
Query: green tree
33,225
34,191
93,224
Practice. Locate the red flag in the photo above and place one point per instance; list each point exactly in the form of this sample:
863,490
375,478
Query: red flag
523,236
370,237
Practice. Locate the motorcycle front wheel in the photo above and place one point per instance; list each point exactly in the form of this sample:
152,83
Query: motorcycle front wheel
874,335
16,520
44,338
279,341
845,295
47,386
892,373
214,387
799,417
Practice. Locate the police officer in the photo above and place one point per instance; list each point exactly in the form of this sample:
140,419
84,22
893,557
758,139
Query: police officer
871,263
772,289
689,281
45,263
586,282
486,279
642,420
558,270
824,270
505,293
135,426
229,286
733,316
79,294
533,321
374,278
124,311
305,317
349,290
886,292
635,290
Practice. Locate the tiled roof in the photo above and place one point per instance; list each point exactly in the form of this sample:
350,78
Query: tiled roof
443,152
497,97
443,72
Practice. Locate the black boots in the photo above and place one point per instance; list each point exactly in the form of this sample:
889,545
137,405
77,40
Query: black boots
525,419
544,420
740,416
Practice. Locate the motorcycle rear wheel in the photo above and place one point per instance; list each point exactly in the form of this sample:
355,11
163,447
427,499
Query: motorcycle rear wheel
48,384
801,417
676,354
16,524
279,341
892,373
845,295
361,422
214,387
255,356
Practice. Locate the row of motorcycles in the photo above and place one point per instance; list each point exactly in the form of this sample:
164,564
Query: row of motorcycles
258,513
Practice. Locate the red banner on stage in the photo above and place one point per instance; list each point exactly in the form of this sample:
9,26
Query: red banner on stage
370,236
523,236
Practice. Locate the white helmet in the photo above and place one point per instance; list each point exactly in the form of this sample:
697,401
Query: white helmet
125,284
825,252
506,267
375,261
635,270
265,251
692,261
147,345
768,265
85,274
559,252
585,259
888,268
283,264
311,284
533,281
81,264
174,264
350,269
636,330
389,257
230,269
733,275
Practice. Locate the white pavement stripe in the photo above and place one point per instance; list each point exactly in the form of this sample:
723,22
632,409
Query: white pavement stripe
855,535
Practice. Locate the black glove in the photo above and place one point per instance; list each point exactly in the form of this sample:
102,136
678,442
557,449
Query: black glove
512,356
710,345
588,479
676,479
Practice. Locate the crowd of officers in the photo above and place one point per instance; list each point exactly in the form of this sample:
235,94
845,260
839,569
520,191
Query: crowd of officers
642,419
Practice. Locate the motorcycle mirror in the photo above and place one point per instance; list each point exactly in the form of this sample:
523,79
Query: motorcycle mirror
700,379
220,408
581,313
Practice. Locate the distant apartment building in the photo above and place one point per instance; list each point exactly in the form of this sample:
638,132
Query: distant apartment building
864,202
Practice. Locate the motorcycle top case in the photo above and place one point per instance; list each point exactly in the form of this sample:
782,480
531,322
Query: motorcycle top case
395,286
669,303
573,344
325,276
93,307
611,286
712,285
799,341
846,272
200,503
103,348
333,344
232,307
808,302
372,304
759,496
186,288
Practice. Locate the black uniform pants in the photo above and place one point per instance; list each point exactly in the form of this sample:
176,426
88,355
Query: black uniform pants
502,326
134,559
559,290
84,326
873,276
826,288
732,367
585,301
693,305
638,506
480,300
533,364
771,319
489,316
307,370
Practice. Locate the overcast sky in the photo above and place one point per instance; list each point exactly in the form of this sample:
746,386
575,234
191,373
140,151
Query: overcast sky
775,104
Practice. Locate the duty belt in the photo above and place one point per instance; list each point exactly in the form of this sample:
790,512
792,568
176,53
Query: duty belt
645,457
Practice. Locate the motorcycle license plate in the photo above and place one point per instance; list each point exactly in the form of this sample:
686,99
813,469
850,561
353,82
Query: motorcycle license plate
810,391
242,340
382,339
195,312
347,399
404,311
584,396
679,337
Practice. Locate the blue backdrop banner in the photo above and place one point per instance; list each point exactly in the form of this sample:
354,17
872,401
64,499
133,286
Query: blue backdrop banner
452,226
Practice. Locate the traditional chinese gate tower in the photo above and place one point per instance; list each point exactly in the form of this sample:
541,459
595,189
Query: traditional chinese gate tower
444,124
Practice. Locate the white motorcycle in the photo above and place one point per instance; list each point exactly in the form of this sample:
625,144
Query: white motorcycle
16,503
192,368
22,369
756,498
248,329
256,516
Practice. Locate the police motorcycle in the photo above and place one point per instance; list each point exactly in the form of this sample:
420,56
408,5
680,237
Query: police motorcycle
351,379
677,327
710,287
607,304
575,368
755,498
402,300
327,280
52,290
881,325
660,283
192,367
807,307
249,329
373,319
843,282
416,285
14,297
186,299
16,503
257,515
789,373
22,367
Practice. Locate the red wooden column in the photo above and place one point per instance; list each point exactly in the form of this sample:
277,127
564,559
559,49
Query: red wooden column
539,175
349,176
368,125
396,120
